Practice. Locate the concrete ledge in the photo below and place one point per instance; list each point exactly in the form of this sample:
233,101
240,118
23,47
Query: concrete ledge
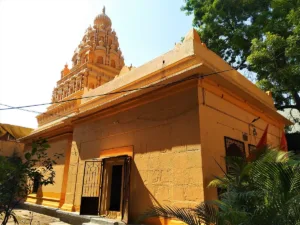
67,207
72,217
104,221
68,217
50,211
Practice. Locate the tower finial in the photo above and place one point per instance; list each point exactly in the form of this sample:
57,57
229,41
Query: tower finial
103,10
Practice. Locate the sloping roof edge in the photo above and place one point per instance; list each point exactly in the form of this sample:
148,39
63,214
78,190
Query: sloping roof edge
14,130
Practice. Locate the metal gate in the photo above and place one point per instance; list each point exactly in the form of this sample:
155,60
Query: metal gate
91,188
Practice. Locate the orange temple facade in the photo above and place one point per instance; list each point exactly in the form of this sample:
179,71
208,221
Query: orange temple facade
137,137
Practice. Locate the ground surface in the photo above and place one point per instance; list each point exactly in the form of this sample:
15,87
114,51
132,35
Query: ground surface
26,217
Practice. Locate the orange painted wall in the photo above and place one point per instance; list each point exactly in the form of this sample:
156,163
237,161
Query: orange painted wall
7,148
166,145
175,140
53,195
219,118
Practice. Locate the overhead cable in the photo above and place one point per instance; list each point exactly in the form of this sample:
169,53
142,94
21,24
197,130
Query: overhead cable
119,92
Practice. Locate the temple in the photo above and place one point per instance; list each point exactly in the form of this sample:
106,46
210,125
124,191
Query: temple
138,137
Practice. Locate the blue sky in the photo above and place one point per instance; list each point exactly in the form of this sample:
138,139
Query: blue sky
37,37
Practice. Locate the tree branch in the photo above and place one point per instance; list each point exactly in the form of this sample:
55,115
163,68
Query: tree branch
240,66
287,107
296,98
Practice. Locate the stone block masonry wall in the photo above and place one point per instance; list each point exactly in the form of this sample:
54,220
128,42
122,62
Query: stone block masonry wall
165,137
58,146
53,195
220,118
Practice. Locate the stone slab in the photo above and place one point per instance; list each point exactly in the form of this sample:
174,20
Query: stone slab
105,221
59,223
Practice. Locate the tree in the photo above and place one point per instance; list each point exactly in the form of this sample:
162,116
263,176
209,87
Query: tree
263,191
16,172
262,36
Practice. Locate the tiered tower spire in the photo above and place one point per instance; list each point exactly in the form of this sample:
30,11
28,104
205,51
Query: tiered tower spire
98,51
97,60
99,45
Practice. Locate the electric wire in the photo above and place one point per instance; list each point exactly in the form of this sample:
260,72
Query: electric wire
37,112
119,92
26,110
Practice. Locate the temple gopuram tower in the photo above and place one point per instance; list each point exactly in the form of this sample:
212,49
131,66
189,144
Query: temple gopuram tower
97,60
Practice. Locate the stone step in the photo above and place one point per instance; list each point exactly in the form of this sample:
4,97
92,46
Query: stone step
104,221
59,223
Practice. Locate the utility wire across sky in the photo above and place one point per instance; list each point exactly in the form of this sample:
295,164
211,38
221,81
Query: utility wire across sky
37,112
8,107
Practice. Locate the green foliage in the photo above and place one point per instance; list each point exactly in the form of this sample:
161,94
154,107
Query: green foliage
259,35
16,172
264,191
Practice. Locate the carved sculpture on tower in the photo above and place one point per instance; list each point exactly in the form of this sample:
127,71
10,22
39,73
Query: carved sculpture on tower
97,60
104,43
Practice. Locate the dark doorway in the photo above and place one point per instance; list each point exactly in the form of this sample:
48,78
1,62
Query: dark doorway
116,185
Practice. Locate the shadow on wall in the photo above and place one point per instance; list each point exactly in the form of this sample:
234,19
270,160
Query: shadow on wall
39,196
35,197
165,136
145,199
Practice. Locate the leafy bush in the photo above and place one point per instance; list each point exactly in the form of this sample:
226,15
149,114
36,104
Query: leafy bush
263,191
18,172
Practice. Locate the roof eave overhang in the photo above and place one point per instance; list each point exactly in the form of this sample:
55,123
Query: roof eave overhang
226,80
100,103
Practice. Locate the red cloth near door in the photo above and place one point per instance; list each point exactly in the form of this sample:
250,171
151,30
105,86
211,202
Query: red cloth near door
263,141
283,143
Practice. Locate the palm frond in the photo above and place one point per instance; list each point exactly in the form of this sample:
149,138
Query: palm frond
183,214
207,212
219,182
263,191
